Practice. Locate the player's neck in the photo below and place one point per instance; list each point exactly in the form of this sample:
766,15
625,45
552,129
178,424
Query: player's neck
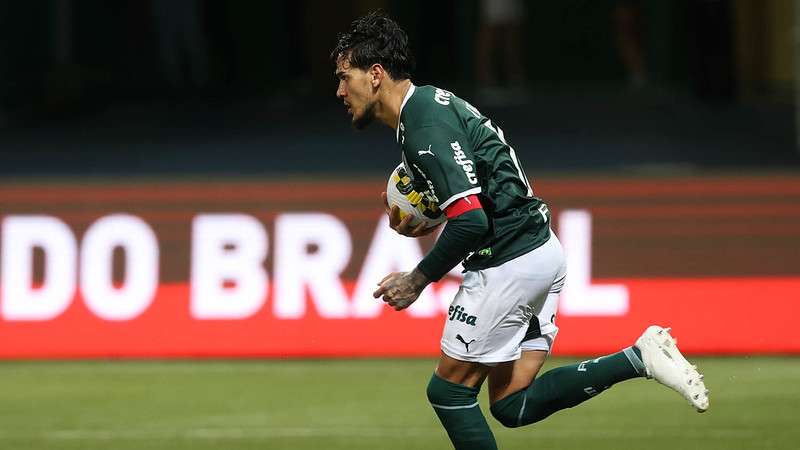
393,95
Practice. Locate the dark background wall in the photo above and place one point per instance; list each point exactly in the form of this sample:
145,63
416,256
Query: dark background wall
83,89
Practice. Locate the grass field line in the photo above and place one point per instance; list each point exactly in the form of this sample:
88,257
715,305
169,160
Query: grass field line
256,433
237,433
137,367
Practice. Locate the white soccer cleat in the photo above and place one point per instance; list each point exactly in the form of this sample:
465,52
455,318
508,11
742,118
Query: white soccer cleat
665,363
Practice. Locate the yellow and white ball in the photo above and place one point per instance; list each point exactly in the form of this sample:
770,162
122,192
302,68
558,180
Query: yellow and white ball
421,205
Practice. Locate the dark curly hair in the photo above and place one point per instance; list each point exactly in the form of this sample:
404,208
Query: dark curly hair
376,39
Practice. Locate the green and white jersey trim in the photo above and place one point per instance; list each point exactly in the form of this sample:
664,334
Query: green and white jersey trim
410,92
455,197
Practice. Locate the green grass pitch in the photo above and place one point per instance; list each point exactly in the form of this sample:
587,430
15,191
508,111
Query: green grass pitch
367,404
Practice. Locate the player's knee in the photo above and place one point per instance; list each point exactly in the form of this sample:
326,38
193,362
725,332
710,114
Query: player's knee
507,412
437,391
445,393
433,393
502,416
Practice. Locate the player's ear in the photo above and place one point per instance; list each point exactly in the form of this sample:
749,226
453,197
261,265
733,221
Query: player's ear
376,75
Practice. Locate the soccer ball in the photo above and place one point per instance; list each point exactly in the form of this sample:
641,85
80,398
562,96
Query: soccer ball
421,205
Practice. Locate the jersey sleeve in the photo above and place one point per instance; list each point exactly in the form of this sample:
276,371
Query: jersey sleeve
441,156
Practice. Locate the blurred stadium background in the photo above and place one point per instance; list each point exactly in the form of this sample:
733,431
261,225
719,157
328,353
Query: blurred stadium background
191,229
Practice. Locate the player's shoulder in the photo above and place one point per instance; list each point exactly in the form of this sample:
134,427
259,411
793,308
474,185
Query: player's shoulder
430,100
429,106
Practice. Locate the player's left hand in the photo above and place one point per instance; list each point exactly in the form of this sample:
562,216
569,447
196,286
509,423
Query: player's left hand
401,289
403,226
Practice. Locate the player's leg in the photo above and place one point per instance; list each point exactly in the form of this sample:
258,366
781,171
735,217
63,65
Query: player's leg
515,403
486,322
654,355
453,393
518,397
514,376
481,330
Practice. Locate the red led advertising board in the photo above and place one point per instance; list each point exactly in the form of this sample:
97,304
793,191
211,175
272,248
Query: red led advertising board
286,268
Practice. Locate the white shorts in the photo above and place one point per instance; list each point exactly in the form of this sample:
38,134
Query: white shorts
502,311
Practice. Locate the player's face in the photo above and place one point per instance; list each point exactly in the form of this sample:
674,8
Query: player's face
356,91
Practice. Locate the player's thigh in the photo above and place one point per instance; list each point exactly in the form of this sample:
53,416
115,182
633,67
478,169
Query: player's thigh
512,376
471,374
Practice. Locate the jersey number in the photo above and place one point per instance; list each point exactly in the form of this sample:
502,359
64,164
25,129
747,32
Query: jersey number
544,211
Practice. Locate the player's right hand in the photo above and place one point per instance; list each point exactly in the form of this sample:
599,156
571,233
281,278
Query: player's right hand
403,226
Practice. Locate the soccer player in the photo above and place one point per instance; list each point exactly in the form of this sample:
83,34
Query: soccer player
501,323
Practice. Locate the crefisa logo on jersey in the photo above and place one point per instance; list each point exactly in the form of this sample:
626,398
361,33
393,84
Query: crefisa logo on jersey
464,162
458,313
442,97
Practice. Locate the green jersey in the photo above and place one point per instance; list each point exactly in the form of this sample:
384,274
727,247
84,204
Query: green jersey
452,151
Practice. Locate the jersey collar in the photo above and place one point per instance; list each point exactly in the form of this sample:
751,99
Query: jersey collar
409,93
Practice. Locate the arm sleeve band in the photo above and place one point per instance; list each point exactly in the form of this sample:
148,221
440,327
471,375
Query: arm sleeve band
460,236
463,205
